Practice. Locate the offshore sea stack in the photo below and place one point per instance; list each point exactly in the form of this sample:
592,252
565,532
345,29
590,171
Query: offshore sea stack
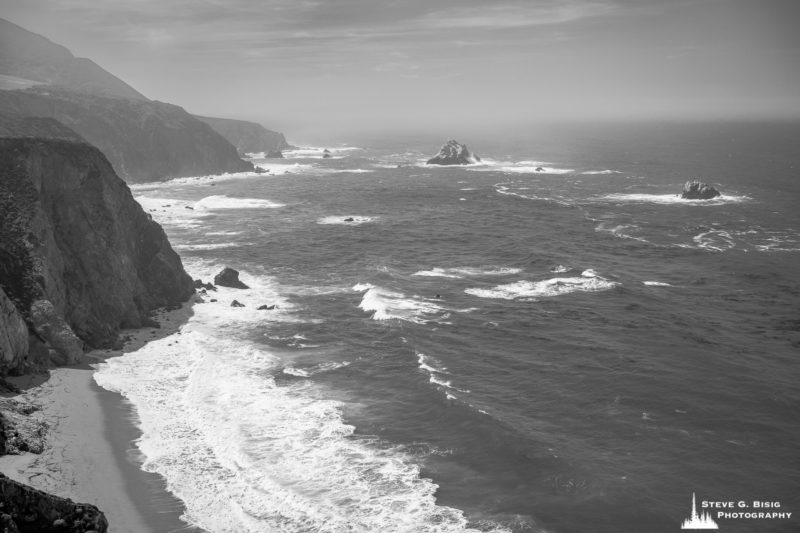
454,153
228,277
79,258
696,190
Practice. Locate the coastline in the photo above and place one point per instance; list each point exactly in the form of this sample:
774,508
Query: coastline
90,454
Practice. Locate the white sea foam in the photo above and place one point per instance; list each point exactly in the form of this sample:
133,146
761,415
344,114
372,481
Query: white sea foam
218,202
210,246
505,189
588,281
519,167
670,199
342,220
656,284
600,172
466,272
559,269
336,152
179,213
246,455
386,305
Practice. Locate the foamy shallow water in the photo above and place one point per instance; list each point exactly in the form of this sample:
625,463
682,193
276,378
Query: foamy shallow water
248,455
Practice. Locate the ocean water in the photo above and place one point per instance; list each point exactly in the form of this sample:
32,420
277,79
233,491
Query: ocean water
484,348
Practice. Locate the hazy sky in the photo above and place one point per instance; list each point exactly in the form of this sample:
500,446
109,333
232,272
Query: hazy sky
358,64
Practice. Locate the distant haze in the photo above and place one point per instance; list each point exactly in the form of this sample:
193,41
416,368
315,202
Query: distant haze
337,66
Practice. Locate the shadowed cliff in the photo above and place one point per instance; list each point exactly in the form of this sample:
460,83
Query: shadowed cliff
247,137
79,258
144,140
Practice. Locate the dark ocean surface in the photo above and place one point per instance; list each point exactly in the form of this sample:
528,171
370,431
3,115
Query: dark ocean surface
485,348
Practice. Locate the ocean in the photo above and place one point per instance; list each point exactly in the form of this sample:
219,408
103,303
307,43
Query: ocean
485,348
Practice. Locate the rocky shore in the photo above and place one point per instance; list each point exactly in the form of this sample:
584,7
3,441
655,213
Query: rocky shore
79,262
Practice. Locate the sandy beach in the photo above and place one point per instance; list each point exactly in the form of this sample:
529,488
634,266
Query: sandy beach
90,454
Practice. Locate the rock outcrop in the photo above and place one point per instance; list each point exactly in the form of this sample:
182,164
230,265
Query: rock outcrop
274,154
27,510
144,140
229,277
454,153
13,337
79,258
248,137
696,190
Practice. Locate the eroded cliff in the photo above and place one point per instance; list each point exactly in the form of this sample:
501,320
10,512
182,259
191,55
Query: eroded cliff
79,258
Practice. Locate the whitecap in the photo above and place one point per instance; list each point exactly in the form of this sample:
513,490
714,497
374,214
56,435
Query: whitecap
600,172
460,272
386,305
545,288
656,284
670,199
219,202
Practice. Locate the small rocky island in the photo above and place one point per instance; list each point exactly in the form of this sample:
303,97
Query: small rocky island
696,190
454,153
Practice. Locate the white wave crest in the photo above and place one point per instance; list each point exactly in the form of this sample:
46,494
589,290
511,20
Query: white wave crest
670,199
386,305
225,202
465,271
589,281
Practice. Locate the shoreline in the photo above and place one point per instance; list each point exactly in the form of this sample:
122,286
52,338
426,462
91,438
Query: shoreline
90,455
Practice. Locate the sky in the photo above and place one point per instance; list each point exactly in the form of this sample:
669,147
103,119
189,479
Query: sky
348,65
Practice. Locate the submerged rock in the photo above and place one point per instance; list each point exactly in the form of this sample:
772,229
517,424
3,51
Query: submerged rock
696,190
237,303
266,307
349,219
274,154
229,277
454,153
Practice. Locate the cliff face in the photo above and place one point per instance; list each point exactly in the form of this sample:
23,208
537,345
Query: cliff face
29,57
144,140
247,137
79,258
27,510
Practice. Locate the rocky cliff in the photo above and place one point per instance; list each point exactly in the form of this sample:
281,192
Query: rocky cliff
79,258
27,510
247,137
144,140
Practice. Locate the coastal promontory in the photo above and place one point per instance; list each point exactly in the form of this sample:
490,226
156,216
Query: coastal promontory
79,258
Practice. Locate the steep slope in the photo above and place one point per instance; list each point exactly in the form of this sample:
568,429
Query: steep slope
79,258
144,140
28,56
247,137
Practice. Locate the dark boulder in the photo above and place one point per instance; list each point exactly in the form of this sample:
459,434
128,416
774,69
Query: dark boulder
274,154
696,190
259,170
199,284
237,303
349,219
539,169
266,307
229,277
454,153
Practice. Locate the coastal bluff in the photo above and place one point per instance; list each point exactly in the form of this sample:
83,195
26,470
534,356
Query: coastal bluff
79,257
